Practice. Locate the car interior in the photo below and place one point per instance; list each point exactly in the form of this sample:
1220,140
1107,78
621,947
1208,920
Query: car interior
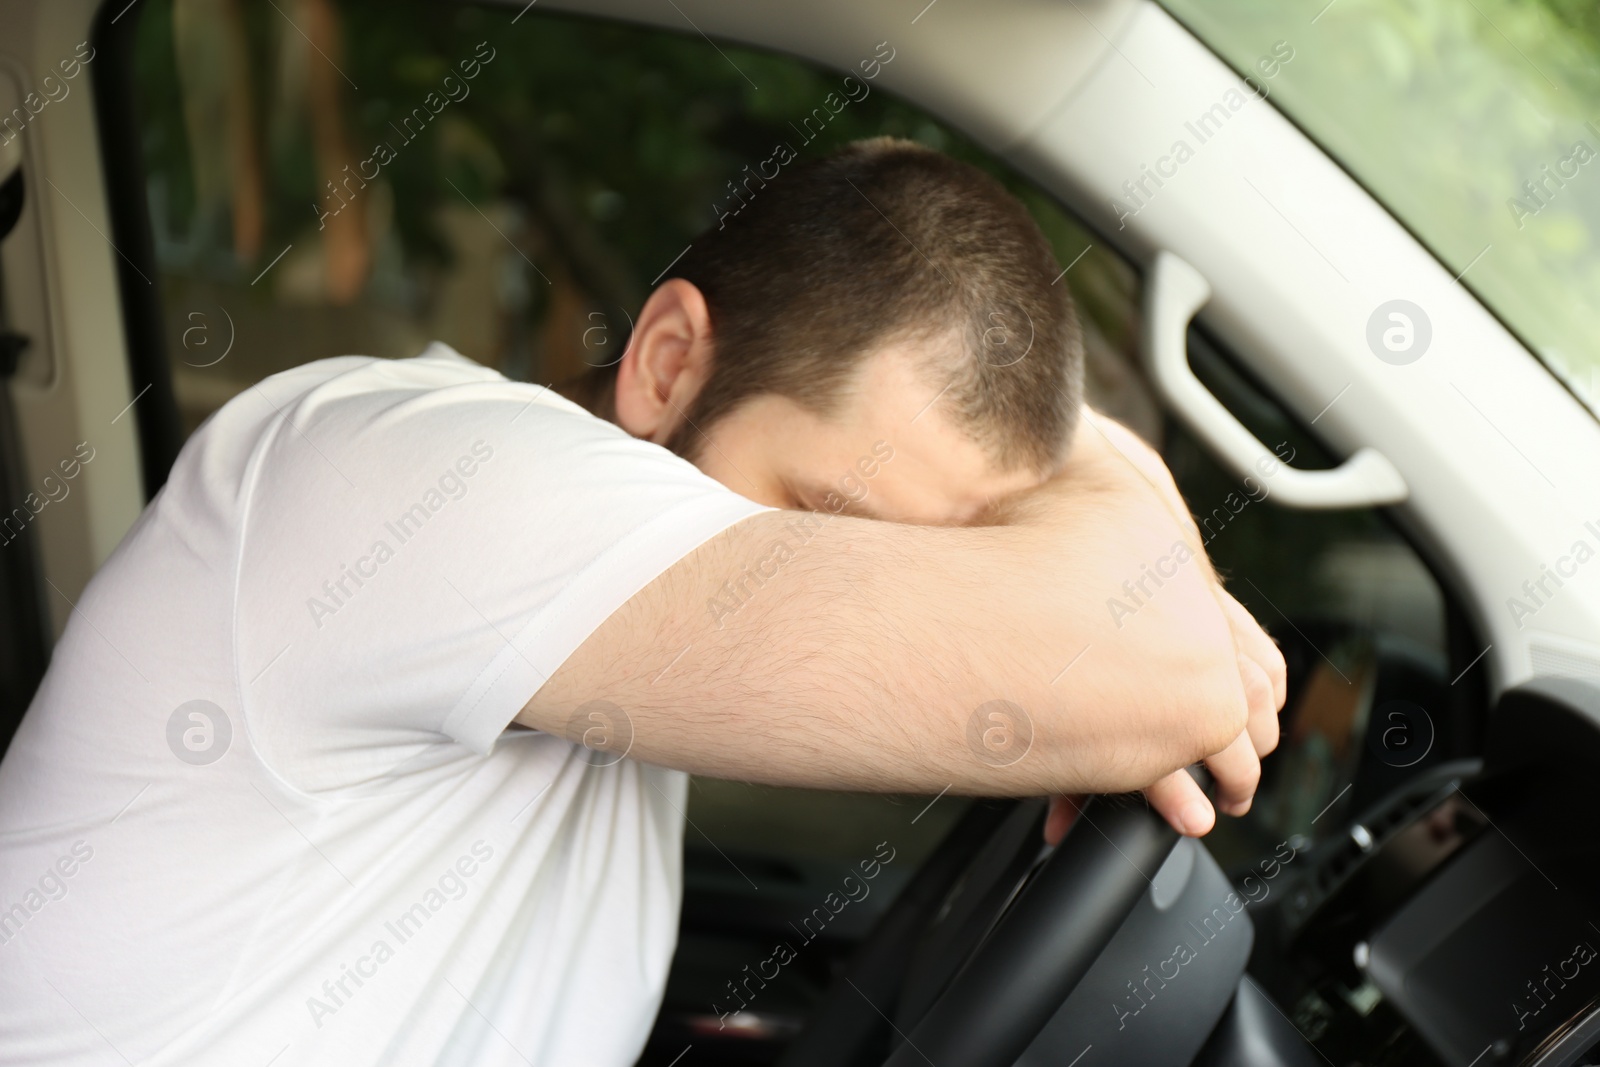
1412,886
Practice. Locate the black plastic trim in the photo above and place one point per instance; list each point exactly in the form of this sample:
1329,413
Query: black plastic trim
155,413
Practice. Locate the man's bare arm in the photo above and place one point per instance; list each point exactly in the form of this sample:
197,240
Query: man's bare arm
861,662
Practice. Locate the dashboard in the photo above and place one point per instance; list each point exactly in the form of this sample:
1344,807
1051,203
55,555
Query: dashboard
1457,920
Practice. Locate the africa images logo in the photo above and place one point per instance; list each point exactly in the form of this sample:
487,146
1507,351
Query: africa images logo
199,732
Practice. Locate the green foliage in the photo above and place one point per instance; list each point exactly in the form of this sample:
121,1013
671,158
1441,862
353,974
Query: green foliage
643,128
1444,109
615,142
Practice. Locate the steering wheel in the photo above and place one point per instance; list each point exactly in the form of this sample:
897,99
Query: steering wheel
1041,941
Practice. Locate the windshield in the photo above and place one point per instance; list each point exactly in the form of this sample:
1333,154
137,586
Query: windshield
1476,122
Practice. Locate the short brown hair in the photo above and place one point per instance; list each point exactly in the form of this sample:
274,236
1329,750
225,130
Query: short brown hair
882,241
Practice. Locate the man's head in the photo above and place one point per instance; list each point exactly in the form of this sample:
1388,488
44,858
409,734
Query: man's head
885,300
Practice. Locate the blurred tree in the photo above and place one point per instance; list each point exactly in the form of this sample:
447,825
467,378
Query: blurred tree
1465,118
595,150
213,65
348,253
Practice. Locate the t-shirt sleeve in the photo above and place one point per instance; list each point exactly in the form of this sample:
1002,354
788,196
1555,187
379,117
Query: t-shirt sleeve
415,563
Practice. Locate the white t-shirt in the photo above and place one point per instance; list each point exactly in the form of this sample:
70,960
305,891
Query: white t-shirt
265,807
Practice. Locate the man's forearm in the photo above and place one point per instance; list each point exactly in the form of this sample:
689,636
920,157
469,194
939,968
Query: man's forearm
873,659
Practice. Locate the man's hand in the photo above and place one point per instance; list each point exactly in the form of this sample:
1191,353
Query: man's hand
1237,769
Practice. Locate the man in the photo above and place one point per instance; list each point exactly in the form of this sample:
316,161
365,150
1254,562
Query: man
301,784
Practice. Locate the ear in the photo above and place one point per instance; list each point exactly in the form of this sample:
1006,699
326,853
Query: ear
667,362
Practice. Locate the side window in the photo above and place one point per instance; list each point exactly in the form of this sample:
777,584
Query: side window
328,178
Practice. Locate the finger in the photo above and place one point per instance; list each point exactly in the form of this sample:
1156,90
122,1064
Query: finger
1063,813
1182,803
1252,638
1254,642
1237,771
1262,724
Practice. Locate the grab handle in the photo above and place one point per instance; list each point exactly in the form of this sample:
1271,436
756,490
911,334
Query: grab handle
1174,291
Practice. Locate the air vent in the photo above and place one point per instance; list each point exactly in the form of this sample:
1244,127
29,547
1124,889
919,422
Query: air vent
1379,827
1566,660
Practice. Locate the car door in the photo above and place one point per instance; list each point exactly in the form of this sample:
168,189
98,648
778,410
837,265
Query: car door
70,455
